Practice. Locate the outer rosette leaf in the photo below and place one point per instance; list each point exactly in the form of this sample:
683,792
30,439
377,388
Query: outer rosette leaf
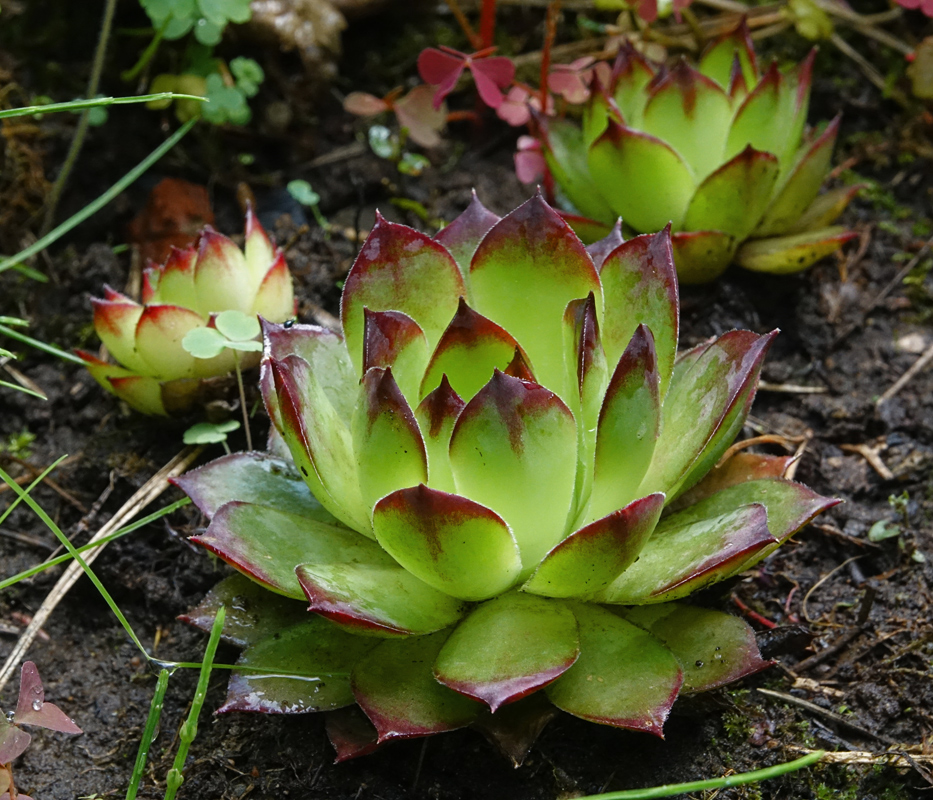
534,642
644,180
514,449
713,648
400,269
451,543
685,554
159,335
319,654
515,728
526,270
624,677
591,558
387,444
784,255
115,322
318,439
696,417
395,686
702,256
468,352
142,393
463,235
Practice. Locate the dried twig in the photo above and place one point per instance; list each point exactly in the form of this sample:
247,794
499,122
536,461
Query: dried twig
154,487
819,583
870,454
901,382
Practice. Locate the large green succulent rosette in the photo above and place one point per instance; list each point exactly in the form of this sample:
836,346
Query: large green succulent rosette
719,150
493,489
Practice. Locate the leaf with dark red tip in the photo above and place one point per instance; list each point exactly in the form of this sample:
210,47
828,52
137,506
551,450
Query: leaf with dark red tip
392,339
470,350
631,74
526,270
684,555
159,335
252,478
740,467
600,249
515,728
253,612
591,558
400,269
785,255
176,283
519,367
266,544
628,427
624,677
140,392
698,411
319,655
462,236
644,180
436,416
31,708
387,445
640,287
351,733
115,323
221,278
451,543
258,250
713,648
718,59
534,642
275,296
395,686
733,198
514,449
366,591
318,439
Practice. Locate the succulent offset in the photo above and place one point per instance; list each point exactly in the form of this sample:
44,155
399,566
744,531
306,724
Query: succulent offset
154,373
493,490
719,151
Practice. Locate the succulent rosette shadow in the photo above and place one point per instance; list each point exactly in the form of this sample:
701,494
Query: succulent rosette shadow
493,489
719,150
154,373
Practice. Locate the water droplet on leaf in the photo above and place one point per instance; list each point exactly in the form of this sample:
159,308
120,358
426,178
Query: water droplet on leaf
36,705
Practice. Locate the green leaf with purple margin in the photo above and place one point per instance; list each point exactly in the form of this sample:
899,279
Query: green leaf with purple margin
252,478
644,180
684,556
718,59
468,352
436,417
591,558
507,648
526,270
463,235
387,444
321,655
394,684
624,677
392,339
785,255
514,449
702,256
266,545
400,269
713,648
451,543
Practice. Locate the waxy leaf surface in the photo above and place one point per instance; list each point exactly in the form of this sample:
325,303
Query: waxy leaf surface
463,235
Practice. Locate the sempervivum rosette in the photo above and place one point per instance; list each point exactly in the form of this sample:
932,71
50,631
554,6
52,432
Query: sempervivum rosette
718,150
499,487
154,373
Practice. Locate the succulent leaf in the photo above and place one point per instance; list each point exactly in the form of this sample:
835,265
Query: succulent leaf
115,322
395,686
514,728
718,60
599,250
351,733
631,76
221,277
526,270
451,543
624,677
536,643
392,339
462,236
784,255
176,284
713,648
702,256
644,180
825,209
591,558
140,392
400,269
514,450
321,656
565,154
275,296
436,416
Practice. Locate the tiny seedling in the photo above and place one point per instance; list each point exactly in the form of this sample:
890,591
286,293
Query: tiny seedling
302,192
31,709
235,331
211,433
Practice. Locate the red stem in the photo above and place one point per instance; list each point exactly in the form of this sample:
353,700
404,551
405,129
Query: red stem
487,23
550,33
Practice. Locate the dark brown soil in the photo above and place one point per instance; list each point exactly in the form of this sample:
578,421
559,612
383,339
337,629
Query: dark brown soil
830,582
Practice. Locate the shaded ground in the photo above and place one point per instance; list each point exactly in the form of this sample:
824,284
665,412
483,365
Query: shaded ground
830,583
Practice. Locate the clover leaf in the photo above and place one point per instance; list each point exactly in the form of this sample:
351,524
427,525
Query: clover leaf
210,432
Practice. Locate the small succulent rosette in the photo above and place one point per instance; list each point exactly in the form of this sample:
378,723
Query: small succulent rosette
154,373
500,482
718,150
